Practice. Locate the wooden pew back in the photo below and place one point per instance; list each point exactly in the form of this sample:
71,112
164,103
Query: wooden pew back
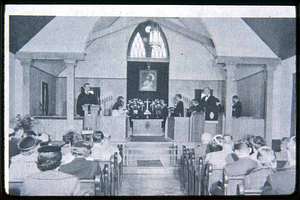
88,187
230,183
242,191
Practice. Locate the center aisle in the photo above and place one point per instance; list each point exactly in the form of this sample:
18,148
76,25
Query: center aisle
149,185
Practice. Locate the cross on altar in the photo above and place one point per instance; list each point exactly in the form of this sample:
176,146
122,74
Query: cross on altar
147,112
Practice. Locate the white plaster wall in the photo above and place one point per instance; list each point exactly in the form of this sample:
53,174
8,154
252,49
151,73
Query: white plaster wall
106,57
11,89
15,86
282,103
189,60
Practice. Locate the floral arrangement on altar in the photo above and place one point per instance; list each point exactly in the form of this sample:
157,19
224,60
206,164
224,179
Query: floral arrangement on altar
135,106
157,106
24,122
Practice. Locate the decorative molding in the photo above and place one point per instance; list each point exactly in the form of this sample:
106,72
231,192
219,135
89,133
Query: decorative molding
164,60
229,60
24,55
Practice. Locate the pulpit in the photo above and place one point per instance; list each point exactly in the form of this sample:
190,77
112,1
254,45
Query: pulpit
90,116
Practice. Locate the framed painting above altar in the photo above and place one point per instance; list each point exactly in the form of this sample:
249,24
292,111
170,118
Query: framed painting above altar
148,80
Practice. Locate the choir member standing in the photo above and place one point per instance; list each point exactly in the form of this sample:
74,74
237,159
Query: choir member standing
237,107
179,110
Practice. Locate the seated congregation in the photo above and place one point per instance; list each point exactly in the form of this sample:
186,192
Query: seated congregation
218,166
71,167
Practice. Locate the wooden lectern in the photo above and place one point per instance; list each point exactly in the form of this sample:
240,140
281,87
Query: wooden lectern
90,118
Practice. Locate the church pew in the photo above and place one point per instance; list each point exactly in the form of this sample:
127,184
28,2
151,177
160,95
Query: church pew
89,187
112,170
210,178
120,146
175,155
199,173
191,173
242,191
229,184
185,170
181,168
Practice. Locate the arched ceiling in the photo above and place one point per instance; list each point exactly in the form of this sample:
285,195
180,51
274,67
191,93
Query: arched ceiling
278,33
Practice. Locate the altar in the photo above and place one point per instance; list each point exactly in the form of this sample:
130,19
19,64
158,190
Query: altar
147,127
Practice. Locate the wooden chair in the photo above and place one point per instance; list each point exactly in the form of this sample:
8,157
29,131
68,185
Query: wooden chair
242,191
229,184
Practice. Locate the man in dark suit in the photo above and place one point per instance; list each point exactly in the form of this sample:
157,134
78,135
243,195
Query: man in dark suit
244,165
283,182
209,104
85,97
237,107
179,110
194,108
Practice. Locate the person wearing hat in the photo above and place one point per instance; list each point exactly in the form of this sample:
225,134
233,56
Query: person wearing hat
216,143
13,144
80,166
104,150
23,164
202,149
220,158
49,181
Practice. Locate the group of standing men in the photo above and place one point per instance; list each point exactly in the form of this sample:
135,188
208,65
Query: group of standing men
208,104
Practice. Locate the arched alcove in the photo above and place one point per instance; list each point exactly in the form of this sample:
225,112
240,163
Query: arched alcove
148,62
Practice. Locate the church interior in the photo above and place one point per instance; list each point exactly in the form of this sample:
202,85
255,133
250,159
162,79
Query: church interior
146,62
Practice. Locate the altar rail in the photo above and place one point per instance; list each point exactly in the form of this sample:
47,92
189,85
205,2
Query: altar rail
56,126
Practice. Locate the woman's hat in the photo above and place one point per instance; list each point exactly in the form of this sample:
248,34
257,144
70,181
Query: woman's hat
27,143
46,149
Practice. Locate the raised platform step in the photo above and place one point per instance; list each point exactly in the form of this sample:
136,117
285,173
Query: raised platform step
147,145
151,170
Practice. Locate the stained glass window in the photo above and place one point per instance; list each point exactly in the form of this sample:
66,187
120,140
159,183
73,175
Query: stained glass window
148,41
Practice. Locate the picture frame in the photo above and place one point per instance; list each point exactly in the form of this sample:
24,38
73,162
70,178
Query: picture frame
148,80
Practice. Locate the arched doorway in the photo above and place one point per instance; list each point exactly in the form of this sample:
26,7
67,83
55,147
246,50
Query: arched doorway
148,63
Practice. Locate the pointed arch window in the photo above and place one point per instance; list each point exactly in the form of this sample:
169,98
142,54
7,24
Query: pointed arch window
148,41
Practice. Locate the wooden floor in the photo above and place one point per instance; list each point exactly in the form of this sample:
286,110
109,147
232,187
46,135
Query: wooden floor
149,185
